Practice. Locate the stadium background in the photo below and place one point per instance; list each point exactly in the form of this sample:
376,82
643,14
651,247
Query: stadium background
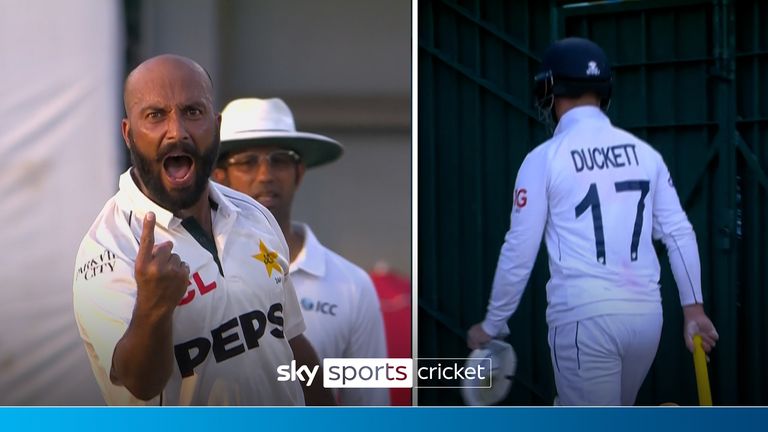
689,79
343,67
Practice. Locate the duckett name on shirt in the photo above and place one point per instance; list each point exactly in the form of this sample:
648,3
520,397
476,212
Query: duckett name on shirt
604,157
230,339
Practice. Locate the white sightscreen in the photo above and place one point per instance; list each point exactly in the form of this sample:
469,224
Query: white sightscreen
60,82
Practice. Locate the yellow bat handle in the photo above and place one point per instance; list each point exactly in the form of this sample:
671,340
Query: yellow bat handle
702,378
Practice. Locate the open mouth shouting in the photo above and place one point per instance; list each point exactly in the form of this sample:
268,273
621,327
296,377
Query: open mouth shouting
177,175
178,169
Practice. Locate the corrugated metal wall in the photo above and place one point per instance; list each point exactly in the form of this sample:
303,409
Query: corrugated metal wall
687,79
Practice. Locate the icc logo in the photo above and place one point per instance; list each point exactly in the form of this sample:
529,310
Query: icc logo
307,304
322,307
521,198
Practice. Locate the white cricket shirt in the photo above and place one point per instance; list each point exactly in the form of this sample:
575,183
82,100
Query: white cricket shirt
231,330
600,194
341,310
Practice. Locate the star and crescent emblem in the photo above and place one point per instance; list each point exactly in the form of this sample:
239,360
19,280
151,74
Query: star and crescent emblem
269,258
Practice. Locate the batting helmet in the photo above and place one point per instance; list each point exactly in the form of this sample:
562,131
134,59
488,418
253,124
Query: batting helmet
572,67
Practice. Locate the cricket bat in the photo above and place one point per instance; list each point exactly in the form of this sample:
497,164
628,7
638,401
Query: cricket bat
702,377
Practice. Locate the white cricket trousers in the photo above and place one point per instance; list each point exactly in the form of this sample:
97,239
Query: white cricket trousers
603,360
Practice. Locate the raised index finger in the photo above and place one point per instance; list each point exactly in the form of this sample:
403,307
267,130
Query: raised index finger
147,241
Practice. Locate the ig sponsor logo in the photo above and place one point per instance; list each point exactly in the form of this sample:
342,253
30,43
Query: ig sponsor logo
521,198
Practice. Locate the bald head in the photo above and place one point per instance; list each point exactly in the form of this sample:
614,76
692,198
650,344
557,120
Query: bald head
172,131
163,70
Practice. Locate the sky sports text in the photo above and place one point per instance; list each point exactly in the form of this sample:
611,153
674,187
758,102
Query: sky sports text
391,372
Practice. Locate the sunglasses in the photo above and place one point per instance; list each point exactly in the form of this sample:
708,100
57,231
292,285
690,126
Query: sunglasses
277,160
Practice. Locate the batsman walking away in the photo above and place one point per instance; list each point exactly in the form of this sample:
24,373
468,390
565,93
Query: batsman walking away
600,196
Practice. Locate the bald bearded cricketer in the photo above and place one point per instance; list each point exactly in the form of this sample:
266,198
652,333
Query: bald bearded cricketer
181,287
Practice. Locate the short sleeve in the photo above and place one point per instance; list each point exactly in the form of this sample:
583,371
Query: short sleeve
368,340
104,294
294,321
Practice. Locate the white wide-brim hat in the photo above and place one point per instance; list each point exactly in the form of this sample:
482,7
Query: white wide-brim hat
478,392
252,122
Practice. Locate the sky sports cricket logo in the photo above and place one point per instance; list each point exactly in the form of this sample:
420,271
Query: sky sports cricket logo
391,373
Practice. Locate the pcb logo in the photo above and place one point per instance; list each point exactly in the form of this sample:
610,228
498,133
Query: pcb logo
269,258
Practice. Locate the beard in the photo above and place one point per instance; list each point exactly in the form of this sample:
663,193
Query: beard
150,172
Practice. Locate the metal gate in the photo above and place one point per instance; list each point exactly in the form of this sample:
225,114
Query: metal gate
687,80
